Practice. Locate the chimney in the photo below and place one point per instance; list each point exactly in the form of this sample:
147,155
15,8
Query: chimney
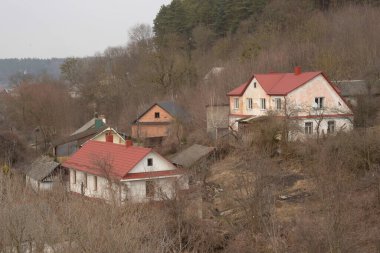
103,118
128,143
297,70
109,137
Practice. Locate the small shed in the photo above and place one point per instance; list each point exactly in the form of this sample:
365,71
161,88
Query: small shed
192,155
44,174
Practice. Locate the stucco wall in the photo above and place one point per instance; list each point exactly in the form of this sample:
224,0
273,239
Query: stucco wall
159,164
149,116
304,97
299,103
134,190
341,124
125,190
116,138
256,94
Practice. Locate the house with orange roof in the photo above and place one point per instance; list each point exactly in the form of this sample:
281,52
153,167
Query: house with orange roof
123,172
307,98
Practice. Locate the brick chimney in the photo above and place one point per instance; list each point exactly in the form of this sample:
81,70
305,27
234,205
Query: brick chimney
128,143
297,70
109,137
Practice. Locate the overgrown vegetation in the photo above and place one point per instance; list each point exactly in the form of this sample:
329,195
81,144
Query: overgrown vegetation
267,194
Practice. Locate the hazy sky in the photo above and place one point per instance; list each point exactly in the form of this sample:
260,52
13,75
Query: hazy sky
62,28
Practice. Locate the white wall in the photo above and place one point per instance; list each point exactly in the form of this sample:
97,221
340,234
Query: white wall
256,94
102,137
159,164
341,125
130,190
304,96
40,186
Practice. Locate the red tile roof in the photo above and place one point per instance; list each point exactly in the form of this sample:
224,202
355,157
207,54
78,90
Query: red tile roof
276,83
94,156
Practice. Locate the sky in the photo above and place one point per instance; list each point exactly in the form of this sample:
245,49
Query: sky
69,28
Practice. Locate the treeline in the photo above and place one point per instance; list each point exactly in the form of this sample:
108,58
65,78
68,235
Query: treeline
17,70
225,16
171,60
161,63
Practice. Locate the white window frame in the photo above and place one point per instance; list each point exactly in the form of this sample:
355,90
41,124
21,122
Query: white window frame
278,103
308,128
249,103
236,103
263,103
319,101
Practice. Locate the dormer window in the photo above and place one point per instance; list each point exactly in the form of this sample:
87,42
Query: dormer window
319,102
150,162
254,84
156,115
236,103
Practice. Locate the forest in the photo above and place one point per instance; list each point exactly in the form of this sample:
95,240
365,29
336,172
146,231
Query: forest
316,196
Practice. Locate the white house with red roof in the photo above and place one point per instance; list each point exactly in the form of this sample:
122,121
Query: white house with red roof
123,172
307,97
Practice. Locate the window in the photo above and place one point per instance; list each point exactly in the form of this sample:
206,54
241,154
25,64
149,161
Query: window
319,102
95,183
249,103
330,127
149,188
236,103
156,115
308,127
254,84
75,176
278,103
85,180
263,103
150,161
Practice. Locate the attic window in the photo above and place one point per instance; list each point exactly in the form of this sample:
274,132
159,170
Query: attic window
254,84
319,102
150,161
156,115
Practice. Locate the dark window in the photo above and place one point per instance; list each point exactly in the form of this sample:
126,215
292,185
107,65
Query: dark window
254,84
308,127
157,115
95,183
330,127
150,161
85,180
149,187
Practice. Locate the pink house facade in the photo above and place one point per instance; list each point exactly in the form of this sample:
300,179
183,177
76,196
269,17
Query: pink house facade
308,98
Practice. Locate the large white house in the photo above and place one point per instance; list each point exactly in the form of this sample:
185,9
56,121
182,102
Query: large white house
308,98
123,172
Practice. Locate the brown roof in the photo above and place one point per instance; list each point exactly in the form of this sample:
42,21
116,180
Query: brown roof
88,133
191,155
41,168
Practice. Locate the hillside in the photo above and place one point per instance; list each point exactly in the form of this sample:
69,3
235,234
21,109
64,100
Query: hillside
13,68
